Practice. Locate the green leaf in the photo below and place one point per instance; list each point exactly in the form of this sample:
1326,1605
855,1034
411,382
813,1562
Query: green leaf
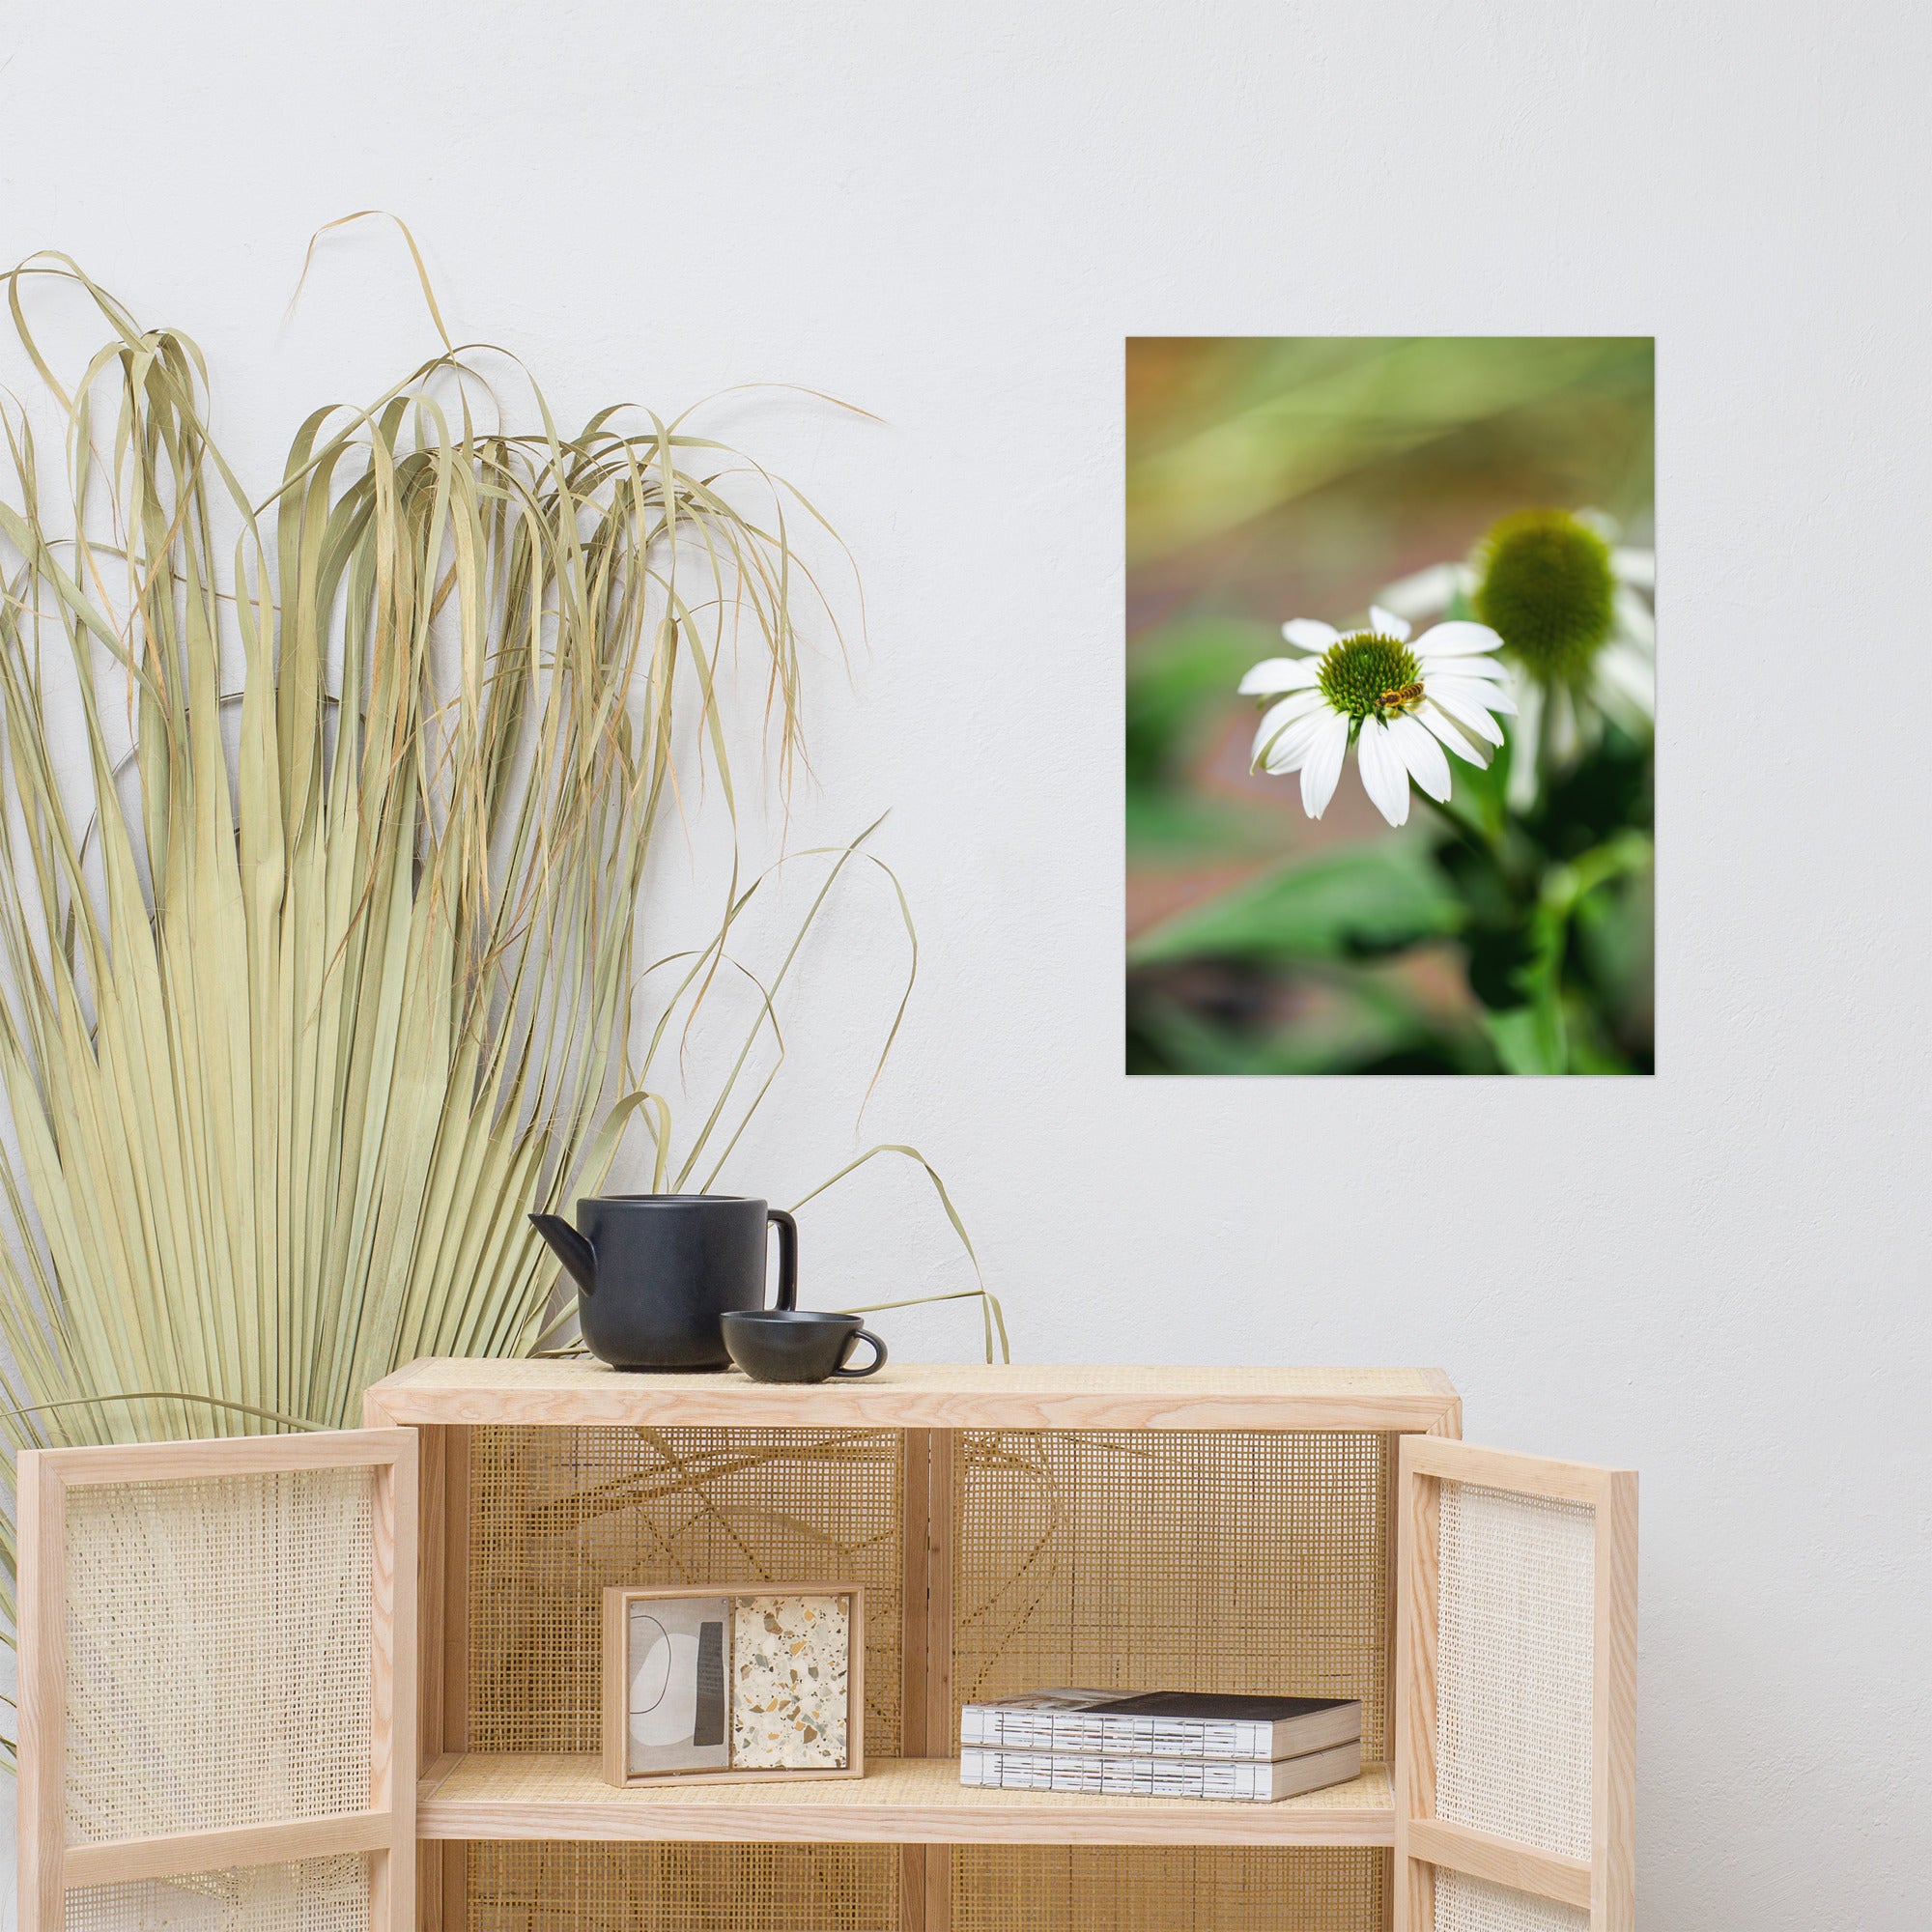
1168,825
1363,899
1534,1036
1526,1041
1180,678
1607,791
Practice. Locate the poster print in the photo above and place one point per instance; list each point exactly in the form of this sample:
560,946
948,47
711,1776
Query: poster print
1390,706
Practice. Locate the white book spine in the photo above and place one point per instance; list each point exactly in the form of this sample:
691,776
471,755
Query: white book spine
1017,1729
1116,1776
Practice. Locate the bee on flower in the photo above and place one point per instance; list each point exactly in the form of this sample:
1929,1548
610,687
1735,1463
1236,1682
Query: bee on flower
1401,705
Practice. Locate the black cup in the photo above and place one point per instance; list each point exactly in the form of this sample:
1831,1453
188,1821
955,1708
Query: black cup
789,1345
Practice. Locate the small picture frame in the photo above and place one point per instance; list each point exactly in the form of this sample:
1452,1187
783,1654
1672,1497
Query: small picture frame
752,1683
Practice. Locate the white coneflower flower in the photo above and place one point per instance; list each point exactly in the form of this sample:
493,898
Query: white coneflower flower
1399,703
1569,603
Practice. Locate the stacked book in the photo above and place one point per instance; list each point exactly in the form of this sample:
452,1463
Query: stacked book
1164,1744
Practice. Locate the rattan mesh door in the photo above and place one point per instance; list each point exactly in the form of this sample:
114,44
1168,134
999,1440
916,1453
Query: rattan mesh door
218,1687
1515,1692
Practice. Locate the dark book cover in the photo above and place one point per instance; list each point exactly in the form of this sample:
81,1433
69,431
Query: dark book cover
1211,1706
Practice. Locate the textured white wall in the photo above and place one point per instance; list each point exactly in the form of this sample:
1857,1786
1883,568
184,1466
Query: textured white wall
954,218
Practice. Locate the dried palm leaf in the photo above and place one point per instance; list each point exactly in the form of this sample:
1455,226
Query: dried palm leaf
320,974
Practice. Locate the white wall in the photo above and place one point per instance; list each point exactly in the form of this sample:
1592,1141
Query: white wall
954,218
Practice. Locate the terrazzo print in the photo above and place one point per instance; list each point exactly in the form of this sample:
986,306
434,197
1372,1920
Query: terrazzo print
789,1686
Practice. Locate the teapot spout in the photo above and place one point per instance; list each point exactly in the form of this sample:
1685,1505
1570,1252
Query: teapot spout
570,1248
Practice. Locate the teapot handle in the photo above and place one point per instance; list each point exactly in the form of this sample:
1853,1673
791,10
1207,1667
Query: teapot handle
788,1258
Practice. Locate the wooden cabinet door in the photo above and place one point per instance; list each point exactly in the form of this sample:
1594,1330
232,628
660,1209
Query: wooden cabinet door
218,1684
1515,1692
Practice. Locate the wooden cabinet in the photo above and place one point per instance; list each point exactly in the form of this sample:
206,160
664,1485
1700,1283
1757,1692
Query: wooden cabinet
1320,1530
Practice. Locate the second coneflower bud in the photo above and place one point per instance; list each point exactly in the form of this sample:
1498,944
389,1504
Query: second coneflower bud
1547,588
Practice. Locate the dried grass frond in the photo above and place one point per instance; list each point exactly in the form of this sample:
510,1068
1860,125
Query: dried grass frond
292,1035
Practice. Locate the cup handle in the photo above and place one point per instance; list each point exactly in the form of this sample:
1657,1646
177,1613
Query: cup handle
787,1257
872,1367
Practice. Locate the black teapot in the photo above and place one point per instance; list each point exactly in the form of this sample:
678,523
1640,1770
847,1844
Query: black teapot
656,1272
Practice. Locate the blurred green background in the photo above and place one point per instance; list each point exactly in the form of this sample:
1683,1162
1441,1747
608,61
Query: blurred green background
1271,478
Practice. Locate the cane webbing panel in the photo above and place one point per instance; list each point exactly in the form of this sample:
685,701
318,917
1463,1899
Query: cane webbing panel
535,1887
217,1653
1138,1888
559,1513
1514,1667
1240,1561
313,1895
1465,1904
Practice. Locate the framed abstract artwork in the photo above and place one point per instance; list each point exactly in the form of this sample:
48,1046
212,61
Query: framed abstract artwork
708,1681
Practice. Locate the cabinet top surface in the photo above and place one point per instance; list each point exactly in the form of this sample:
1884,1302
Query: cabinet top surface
921,1395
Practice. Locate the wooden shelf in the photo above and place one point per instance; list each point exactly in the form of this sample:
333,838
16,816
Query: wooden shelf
898,1801
579,1391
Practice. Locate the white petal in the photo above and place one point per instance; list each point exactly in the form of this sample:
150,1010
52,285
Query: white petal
1279,717
1599,523
1323,766
1469,709
1483,668
1559,724
1459,695
1277,674
1528,737
1309,634
1438,721
1290,756
1291,740
1623,671
1634,619
1635,566
1423,756
1429,590
1460,639
1482,691
1384,776
1386,624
